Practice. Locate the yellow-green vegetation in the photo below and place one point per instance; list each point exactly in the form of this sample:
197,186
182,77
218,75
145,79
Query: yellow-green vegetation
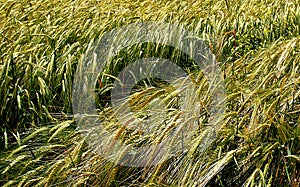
256,43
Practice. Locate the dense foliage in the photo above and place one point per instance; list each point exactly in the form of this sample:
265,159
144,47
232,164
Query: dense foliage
256,42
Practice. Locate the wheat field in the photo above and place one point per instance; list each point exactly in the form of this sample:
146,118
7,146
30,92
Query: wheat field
255,42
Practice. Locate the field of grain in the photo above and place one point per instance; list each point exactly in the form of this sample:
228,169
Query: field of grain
256,44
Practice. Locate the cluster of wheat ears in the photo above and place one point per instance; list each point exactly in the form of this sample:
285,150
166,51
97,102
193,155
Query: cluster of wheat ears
255,42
